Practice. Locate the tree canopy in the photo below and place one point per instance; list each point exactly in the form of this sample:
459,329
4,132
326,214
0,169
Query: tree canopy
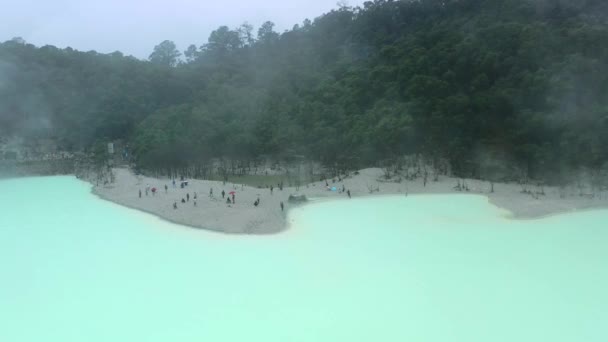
166,54
468,81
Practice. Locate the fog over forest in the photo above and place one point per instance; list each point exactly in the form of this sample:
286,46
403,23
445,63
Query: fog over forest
491,89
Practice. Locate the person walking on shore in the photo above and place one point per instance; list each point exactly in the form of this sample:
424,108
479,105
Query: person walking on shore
166,188
271,189
233,198
348,193
139,193
188,197
282,206
174,205
195,195
223,193
210,192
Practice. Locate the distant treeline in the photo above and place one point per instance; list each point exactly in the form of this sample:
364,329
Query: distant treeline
492,87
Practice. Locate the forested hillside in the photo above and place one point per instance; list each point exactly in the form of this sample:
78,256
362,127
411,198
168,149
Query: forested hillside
492,86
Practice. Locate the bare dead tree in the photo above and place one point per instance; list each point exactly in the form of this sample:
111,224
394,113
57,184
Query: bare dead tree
372,189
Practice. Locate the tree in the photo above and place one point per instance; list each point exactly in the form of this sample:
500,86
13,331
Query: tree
18,40
266,33
191,53
246,34
165,54
222,41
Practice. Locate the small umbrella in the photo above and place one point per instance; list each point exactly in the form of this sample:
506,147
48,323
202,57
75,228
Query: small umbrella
232,192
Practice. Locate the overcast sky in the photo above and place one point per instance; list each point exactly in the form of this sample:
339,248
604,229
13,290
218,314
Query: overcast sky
136,26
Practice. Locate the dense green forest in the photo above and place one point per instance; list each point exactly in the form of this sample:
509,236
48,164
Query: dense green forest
493,87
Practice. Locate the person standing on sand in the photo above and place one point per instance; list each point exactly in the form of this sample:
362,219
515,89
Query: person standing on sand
195,196
282,206
183,200
210,192
194,201
223,193
166,188
348,193
233,198
188,197
139,193
271,188
174,205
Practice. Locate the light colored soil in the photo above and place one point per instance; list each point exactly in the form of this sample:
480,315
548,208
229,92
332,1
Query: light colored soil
212,212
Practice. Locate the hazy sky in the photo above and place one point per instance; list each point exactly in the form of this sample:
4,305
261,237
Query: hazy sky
136,26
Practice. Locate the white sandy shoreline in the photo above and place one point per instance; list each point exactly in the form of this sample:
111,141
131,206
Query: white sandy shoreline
212,213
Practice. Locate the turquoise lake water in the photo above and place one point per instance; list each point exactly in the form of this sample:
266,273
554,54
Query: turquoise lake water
419,268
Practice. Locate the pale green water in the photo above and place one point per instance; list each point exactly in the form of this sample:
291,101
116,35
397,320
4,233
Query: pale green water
422,268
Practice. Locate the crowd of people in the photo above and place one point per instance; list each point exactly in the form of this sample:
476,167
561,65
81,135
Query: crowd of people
229,197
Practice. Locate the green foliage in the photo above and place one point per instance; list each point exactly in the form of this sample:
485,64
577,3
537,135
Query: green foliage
165,54
477,82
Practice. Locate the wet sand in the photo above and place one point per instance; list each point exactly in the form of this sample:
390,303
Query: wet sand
213,213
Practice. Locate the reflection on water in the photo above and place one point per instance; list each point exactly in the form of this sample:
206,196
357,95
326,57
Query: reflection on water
421,268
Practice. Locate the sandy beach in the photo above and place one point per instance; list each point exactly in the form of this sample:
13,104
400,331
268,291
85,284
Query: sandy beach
213,213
